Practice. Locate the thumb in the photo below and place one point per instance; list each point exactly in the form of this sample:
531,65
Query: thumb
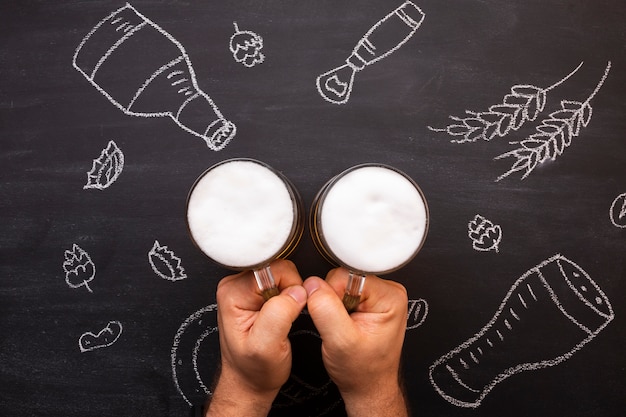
278,314
326,309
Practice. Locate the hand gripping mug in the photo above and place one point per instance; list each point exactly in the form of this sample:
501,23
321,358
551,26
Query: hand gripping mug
243,214
370,219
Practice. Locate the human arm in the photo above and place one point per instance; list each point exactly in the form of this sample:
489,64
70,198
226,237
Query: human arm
255,351
361,351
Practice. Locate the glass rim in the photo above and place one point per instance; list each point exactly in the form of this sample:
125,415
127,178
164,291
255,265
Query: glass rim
297,227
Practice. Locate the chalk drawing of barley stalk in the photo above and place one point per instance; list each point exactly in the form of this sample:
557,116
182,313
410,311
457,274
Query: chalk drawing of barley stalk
523,104
553,134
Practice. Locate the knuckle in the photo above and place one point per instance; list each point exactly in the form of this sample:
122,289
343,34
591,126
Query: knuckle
336,274
398,291
402,292
222,290
284,265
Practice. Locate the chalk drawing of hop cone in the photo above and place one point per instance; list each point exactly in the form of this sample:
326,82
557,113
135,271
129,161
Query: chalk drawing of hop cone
145,72
484,234
549,313
246,47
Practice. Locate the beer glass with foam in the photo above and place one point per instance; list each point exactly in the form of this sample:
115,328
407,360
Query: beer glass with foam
243,214
370,219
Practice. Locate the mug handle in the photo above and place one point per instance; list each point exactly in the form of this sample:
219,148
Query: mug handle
352,296
265,282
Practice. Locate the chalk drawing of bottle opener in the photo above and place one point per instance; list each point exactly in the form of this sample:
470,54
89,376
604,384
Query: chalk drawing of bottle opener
549,314
387,35
145,72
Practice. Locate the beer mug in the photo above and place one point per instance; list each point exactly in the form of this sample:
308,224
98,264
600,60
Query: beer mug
370,219
243,214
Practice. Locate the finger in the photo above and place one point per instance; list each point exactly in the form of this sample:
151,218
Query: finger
338,280
326,309
277,315
379,295
285,273
384,296
240,291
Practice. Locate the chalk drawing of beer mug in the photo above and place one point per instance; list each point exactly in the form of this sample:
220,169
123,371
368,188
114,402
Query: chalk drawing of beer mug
370,219
243,214
549,313
145,72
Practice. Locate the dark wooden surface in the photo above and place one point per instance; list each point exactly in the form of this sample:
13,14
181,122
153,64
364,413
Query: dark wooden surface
465,56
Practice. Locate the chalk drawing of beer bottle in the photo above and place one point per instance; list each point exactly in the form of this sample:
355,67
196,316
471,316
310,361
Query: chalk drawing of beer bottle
549,313
145,72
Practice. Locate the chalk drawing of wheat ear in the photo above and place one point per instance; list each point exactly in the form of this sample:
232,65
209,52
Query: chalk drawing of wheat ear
523,104
553,134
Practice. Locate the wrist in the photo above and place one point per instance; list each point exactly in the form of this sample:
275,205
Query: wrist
233,396
379,399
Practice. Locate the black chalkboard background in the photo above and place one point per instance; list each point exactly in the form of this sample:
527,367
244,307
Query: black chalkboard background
465,56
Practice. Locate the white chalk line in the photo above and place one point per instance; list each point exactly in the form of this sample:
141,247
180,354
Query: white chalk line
524,366
171,262
149,80
115,46
182,106
255,42
328,82
77,262
405,18
418,309
484,234
514,109
110,161
553,134
582,298
113,328
212,308
224,135
194,359
618,206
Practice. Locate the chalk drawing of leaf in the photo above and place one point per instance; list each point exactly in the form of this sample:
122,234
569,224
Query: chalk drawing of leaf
165,264
522,104
553,135
79,268
105,337
484,234
106,168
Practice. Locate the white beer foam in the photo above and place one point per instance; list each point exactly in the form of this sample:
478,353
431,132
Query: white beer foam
373,219
240,214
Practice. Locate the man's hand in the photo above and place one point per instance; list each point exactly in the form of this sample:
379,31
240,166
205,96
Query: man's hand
256,353
361,351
